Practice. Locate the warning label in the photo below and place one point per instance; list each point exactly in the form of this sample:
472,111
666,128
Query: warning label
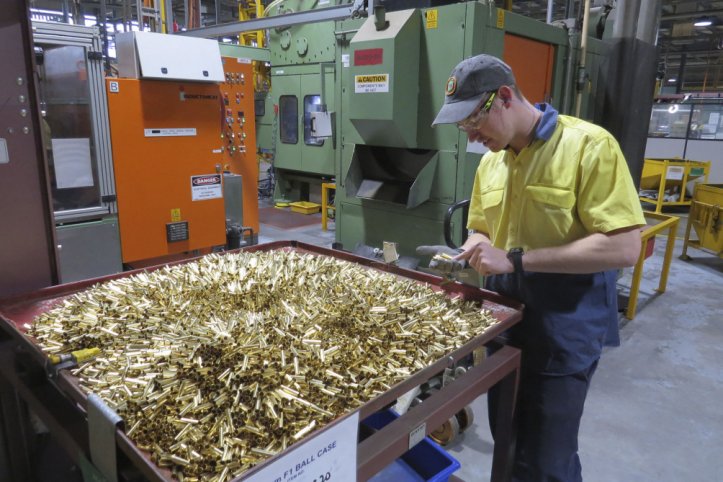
365,84
206,187
431,17
368,56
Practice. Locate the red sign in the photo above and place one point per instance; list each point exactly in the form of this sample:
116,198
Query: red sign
368,56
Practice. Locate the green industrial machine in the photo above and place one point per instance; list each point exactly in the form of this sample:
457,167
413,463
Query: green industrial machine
354,100
397,176
301,99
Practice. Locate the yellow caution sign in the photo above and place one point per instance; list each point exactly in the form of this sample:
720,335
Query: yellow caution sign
374,83
432,18
500,18
175,215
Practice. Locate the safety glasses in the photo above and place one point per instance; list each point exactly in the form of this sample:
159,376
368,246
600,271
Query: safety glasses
473,120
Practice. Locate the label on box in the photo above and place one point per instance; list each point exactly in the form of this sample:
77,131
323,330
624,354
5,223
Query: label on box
417,435
206,187
174,132
675,173
177,231
327,457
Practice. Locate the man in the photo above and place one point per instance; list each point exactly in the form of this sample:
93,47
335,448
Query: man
553,215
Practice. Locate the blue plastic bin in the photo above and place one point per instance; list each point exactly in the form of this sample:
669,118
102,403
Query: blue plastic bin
426,461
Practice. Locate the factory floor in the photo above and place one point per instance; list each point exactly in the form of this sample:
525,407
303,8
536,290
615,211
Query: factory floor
653,412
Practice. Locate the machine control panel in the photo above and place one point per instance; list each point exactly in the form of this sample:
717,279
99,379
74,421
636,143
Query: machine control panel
237,92
238,131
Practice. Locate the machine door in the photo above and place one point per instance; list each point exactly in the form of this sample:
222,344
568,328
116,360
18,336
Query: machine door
288,137
297,148
532,62
74,122
167,156
317,153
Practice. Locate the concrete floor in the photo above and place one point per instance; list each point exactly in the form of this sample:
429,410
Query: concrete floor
653,412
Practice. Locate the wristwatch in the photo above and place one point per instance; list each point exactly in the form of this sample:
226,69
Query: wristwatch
515,256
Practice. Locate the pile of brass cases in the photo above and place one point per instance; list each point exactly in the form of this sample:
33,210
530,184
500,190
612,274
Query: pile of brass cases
218,364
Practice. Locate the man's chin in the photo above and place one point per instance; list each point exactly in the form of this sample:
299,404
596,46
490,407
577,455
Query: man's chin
493,147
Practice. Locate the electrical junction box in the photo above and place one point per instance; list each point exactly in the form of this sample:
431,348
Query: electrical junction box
149,55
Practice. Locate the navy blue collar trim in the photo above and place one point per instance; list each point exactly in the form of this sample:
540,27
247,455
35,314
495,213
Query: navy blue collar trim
547,123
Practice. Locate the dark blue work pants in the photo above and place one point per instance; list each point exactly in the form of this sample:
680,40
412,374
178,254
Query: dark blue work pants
549,408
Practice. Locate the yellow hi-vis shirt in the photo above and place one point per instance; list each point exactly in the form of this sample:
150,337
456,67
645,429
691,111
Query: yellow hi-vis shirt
555,191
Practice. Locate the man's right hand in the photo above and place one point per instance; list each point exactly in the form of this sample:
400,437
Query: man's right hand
487,260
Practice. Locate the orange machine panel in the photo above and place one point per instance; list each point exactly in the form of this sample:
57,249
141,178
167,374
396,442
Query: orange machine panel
239,132
167,157
532,63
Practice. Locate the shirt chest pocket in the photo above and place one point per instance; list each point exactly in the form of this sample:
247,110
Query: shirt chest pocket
550,210
491,203
553,197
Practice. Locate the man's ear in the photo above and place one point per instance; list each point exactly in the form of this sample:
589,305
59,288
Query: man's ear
505,93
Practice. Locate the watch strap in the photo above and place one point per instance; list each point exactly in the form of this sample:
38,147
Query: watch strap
515,256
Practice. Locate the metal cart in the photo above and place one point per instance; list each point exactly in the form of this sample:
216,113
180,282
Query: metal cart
663,174
63,407
706,215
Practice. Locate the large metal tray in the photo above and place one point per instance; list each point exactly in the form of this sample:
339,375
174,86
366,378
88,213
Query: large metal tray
62,404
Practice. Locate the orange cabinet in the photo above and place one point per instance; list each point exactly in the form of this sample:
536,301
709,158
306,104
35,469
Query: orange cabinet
168,155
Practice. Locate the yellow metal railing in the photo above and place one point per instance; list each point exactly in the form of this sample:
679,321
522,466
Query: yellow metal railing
325,186
666,222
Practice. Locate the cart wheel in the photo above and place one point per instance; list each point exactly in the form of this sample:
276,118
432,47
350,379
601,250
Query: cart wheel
465,417
447,432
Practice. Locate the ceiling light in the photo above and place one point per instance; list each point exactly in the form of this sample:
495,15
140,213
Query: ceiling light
703,22
672,80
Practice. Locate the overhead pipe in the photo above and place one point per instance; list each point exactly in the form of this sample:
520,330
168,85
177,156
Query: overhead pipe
569,8
699,13
681,71
569,69
550,7
581,74
163,17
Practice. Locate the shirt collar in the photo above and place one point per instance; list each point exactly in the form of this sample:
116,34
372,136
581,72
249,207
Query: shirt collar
547,123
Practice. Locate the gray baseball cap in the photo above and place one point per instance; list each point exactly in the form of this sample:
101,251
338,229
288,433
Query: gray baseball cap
468,83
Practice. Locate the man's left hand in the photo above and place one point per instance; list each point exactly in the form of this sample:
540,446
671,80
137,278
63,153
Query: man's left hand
487,260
